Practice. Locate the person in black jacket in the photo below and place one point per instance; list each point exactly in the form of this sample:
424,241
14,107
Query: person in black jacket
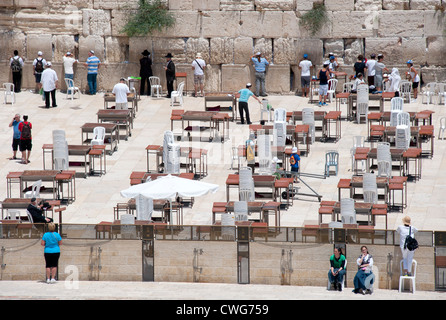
36,211
170,74
145,72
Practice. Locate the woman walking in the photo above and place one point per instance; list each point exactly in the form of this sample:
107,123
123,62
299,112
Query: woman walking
51,240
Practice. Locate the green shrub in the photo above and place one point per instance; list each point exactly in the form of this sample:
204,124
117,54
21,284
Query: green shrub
314,19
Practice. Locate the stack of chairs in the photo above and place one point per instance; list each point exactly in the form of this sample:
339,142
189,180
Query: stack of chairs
241,211
246,185
370,188
171,154
348,212
362,102
265,153
308,118
403,131
384,159
144,208
60,150
280,127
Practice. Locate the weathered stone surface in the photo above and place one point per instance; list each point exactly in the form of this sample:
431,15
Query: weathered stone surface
243,49
116,49
205,5
6,3
69,22
312,47
180,5
195,45
290,25
39,42
277,78
424,4
92,42
396,5
10,41
357,24
234,77
236,5
305,4
339,5
434,23
400,23
62,44
389,47
137,45
115,4
435,53
285,51
353,48
266,24
276,5
221,50
368,5
96,22
221,24
264,46
29,3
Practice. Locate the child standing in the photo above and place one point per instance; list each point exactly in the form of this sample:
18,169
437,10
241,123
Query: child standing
324,76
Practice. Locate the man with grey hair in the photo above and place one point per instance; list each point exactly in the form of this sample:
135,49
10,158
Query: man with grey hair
50,82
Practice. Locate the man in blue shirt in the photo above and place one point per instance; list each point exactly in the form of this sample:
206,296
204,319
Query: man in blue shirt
93,63
260,65
244,95
16,135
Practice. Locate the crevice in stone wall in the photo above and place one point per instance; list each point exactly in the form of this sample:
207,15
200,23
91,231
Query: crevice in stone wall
272,50
76,48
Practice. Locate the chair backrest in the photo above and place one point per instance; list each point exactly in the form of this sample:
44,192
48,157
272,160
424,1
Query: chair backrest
144,207
9,87
431,87
370,196
402,137
13,214
35,190
348,212
358,141
348,86
369,181
30,217
127,219
264,146
442,122
383,152
307,115
60,163
403,118
241,210
180,88
414,268
99,133
362,91
332,84
331,157
441,87
154,81
69,82
394,117
280,114
384,168
405,86
396,103
279,137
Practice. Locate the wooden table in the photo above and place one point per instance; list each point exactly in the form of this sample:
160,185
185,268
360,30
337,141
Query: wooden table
23,203
74,151
122,118
225,98
111,138
31,176
332,117
132,97
199,116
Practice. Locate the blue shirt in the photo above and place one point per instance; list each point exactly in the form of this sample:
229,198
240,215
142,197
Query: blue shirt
93,63
15,127
51,242
244,95
260,66
297,159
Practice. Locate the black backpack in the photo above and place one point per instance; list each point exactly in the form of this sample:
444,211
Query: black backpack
39,65
15,65
411,243
26,131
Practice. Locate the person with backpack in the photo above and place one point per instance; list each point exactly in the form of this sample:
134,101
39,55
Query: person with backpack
406,230
39,64
294,162
16,63
25,139
198,65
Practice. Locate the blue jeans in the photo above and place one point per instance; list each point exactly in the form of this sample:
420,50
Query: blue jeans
91,79
338,278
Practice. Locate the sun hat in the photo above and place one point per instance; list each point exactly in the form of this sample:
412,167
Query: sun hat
406,220
198,55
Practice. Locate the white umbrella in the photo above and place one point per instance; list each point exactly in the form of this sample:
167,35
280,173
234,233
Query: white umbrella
169,187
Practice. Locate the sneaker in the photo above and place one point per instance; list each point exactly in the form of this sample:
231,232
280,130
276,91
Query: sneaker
48,281
320,103
53,280
324,104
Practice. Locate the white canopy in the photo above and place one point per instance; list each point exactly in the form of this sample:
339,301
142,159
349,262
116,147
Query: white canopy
168,187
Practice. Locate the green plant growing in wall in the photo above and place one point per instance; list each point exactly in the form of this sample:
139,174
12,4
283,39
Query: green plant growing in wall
314,19
151,15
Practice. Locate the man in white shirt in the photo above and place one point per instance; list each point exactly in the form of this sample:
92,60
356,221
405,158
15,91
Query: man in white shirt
68,62
121,92
198,65
370,64
305,66
49,82
39,64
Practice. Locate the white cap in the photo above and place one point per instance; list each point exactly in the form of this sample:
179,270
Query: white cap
91,51
258,53
294,150
49,64
248,85
39,53
68,53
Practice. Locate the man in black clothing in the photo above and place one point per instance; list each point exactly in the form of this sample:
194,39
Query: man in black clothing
145,72
36,211
170,74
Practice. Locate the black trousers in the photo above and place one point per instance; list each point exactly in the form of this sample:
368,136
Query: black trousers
243,108
144,80
169,87
53,98
17,81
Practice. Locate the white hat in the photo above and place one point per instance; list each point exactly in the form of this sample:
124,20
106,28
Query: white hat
258,53
48,64
294,150
275,159
68,53
248,85
198,55
39,53
91,51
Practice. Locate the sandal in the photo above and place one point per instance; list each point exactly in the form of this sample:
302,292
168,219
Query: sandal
13,158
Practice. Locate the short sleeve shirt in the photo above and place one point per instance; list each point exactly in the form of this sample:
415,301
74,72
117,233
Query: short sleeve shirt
244,95
51,242
68,64
260,66
48,80
197,70
15,128
121,90
93,63
305,65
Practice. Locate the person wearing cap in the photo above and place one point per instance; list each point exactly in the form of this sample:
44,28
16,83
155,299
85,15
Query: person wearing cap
370,64
39,64
243,96
145,72
121,91
323,76
68,62
37,212
415,78
25,146
405,230
93,64
294,160
305,67
333,65
50,82
198,65
379,68
170,73
260,65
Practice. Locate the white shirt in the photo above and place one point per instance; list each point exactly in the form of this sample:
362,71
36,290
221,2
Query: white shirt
197,70
68,64
48,80
305,66
371,67
120,90
404,232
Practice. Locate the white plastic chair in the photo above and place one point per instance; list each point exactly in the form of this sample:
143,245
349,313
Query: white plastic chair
241,210
348,87
441,87
265,109
412,278
348,212
384,168
396,103
358,142
71,89
98,136
9,91
402,138
155,86
362,111
331,160
35,190
176,97
345,268
332,84
308,118
234,157
442,128
13,214
406,90
429,92
280,114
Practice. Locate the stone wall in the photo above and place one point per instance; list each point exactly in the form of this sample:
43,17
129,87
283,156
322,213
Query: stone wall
227,33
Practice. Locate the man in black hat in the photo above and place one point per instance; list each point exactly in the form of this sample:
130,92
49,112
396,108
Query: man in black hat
170,74
36,211
145,72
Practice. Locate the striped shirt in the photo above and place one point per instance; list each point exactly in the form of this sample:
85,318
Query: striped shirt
93,63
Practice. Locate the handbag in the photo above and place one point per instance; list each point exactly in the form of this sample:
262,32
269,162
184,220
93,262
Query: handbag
411,243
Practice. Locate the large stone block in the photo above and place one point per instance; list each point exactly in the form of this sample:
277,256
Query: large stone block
368,5
353,48
180,4
434,23
353,24
29,3
68,21
265,47
276,5
10,41
137,45
7,3
195,45
205,5
405,23
305,5
312,47
234,77
96,22
62,44
212,77
424,4
92,42
265,24
290,23
285,51
221,24
173,45
39,42
415,48
389,47
116,49
221,50
236,5
277,78
339,5
115,4
396,5
243,50
119,19
187,24
435,53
